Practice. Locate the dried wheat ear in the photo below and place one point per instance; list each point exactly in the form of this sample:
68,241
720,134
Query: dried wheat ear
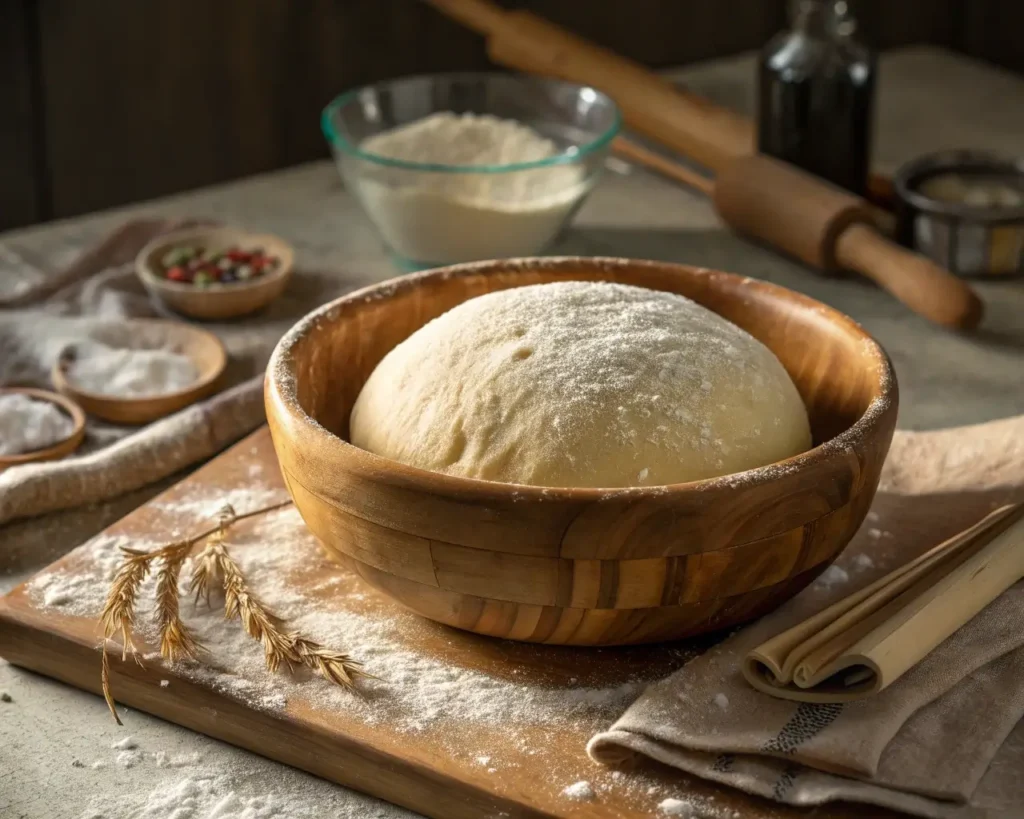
213,569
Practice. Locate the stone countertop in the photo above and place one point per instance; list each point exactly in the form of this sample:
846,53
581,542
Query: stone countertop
51,735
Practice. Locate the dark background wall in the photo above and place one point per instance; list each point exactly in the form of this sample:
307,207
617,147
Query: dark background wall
111,101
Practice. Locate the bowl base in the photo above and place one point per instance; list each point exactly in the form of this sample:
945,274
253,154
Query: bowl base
553,625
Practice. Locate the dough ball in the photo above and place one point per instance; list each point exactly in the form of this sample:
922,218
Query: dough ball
581,384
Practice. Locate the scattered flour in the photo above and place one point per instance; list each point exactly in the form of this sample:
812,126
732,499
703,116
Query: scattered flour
207,790
722,701
437,217
863,561
415,691
581,791
164,760
676,807
418,692
203,508
130,373
28,424
126,744
832,577
128,759
164,683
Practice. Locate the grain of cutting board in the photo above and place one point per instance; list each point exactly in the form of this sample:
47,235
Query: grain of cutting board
507,742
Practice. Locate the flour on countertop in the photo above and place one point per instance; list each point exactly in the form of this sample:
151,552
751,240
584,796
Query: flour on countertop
581,791
28,424
416,693
126,744
128,759
863,562
676,807
832,577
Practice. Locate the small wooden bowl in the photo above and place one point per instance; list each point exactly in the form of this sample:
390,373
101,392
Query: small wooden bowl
59,449
582,566
218,301
204,349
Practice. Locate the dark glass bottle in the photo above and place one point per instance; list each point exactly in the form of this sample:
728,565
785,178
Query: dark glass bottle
817,88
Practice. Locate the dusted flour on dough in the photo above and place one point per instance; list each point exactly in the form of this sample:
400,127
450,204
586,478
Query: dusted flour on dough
581,384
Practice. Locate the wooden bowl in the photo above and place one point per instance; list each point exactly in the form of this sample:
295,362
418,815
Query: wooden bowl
204,349
59,449
582,566
219,301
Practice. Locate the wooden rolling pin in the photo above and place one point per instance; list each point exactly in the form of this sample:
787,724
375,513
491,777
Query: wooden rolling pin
838,234
823,226
689,124
707,133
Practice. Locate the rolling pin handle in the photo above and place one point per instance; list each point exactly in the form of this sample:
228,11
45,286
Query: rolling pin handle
919,283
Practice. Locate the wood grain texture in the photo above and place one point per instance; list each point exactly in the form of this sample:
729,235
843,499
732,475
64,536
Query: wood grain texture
586,566
434,769
203,348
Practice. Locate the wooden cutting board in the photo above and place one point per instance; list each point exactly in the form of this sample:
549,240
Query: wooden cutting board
448,768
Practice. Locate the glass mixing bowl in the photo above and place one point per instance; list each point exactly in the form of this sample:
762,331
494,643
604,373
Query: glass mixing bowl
435,214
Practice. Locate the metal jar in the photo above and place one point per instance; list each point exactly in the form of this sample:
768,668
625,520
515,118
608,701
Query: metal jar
967,239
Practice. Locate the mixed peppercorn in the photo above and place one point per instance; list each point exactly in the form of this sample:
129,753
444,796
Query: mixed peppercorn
199,266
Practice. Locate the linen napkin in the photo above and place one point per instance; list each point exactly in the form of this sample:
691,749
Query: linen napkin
945,740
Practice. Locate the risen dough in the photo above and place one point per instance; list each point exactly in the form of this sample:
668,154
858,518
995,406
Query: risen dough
581,384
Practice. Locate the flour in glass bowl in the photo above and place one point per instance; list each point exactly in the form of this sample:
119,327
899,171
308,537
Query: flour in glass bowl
444,216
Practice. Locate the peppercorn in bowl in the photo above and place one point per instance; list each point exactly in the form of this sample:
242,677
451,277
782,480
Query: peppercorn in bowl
215,272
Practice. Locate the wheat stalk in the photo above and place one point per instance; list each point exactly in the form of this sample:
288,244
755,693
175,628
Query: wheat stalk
333,666
176,640
212,566
119,609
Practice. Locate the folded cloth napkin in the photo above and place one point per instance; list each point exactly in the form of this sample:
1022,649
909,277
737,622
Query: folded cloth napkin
42,311
945,740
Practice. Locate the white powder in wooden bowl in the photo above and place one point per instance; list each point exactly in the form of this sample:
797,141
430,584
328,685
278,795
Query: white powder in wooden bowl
28,424
130,373
444,216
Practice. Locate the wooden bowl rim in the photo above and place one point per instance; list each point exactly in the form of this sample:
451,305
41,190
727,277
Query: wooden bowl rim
279,388
145,272
65,446
68,388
